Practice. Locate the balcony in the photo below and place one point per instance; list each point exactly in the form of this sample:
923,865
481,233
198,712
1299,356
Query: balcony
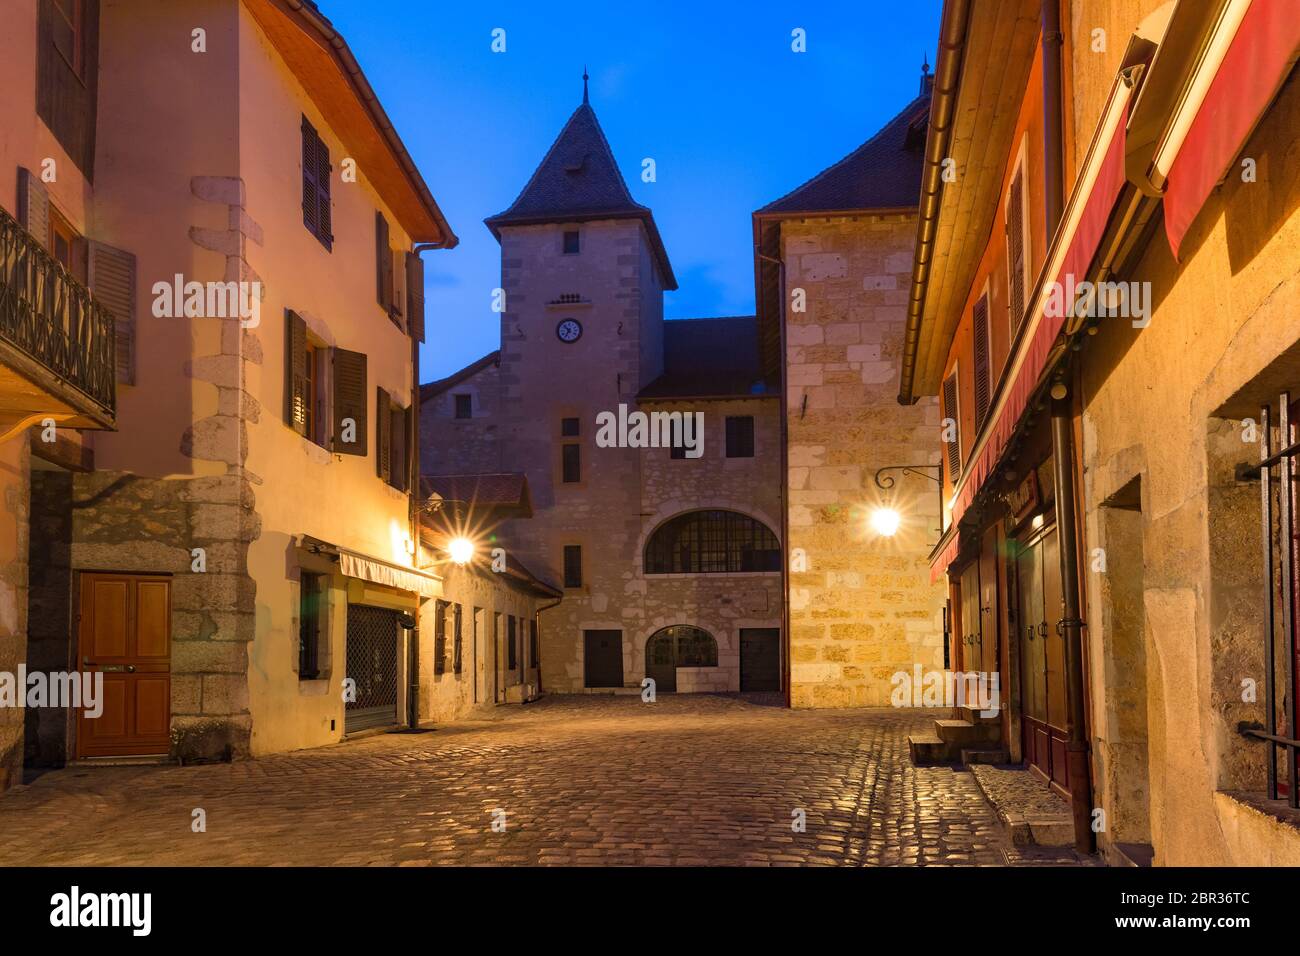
57,349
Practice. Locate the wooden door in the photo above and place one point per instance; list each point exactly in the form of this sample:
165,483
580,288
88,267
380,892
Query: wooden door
1054,645
124,633
970,617
760,659
498,659
1045,707
603,658
480,658
988,602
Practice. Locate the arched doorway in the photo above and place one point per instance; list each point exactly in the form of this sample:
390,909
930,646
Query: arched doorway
681,645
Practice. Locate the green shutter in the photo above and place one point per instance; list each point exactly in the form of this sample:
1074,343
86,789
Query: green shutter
383,436
295,373
350,395
415,295
383,263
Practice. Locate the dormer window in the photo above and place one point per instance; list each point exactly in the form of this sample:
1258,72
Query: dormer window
571,242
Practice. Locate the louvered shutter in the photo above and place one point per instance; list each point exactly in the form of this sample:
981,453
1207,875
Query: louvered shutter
953,448
295,373
323,170
310,201
383,263
383,436
111,277
415,295
1016,250
34,205
350,402
316,213
983,382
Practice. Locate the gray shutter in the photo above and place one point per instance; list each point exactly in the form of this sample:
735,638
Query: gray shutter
350,395
415,295
110,273
323,182
310,193
34,205
295,373
983,381
950,410
383,263
383,436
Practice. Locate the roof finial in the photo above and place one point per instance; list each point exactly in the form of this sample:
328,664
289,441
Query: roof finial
585,101
925,73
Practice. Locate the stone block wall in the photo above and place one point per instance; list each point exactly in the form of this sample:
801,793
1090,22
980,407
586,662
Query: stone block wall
861,606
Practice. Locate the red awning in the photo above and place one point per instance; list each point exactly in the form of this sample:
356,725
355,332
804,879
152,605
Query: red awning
1068,260
1253,68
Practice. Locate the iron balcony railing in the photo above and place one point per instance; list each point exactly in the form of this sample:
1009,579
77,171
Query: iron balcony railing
1277,474
46,314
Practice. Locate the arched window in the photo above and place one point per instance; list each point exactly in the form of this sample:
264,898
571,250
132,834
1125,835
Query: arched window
678,646
704,542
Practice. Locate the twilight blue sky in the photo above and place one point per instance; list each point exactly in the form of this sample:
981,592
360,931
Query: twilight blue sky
732,117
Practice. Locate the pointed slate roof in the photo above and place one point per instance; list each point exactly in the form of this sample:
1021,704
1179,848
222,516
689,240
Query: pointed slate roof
882,173
578,180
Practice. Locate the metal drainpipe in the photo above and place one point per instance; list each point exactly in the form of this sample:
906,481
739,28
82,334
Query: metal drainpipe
413,493
785,494
1053,165
1071,625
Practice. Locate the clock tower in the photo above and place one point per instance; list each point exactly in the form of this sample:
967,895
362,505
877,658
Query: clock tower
583,272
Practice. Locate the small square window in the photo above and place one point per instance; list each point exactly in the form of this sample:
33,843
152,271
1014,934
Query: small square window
573,565
569,427
464,406
571,242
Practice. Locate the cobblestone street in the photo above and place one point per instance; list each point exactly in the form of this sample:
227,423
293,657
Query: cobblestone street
582,780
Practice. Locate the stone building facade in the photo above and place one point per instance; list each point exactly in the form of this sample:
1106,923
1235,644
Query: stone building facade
583,271
835,256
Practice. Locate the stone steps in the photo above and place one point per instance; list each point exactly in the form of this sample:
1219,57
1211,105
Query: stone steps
927,749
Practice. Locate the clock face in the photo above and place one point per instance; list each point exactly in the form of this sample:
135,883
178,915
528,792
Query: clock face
569,330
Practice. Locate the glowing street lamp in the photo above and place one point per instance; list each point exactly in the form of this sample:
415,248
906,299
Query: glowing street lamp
885,521
461,550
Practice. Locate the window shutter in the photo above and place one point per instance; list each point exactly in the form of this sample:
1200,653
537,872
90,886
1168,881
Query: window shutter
383,436
950,410
350,395
316,214
1016,250
983,383
295,373
415,295
383,263
34,205
111,277
310,193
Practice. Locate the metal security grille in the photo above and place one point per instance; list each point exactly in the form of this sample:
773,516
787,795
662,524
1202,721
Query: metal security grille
1279,502
372,664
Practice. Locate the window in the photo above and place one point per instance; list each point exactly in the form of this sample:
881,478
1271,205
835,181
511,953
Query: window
740,436
68,28
569,427
464,406
311,406
440,637
983,363
707,542
316,211
311,594
951,412
512,636
456,641
571,242
64,244
571,463
682,646
573,565
304,394
532,643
